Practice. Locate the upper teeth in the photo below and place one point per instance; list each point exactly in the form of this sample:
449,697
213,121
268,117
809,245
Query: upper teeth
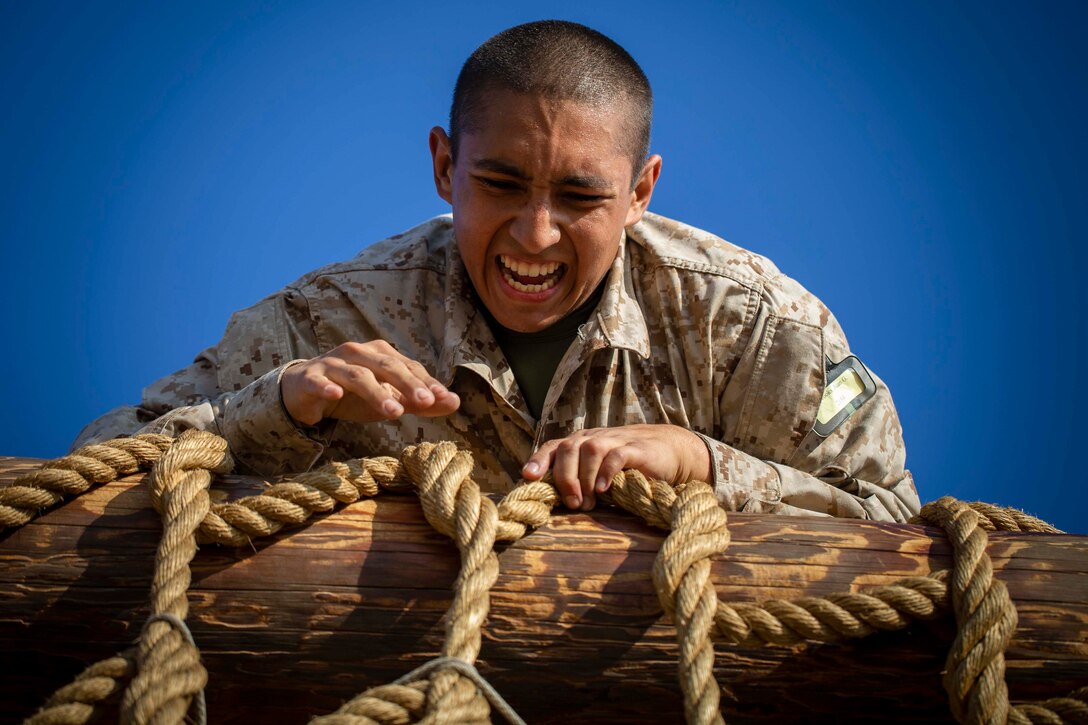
528,270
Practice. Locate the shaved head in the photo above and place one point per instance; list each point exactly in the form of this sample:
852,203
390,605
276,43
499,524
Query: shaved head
561,61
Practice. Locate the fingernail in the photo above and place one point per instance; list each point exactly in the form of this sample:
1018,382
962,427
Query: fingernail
587,504
601,485
422,394
392,407
571,501
531,468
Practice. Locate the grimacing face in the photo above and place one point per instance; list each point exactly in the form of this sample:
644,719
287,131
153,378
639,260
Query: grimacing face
541,192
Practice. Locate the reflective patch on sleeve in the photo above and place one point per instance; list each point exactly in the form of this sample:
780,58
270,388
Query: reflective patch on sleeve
848,386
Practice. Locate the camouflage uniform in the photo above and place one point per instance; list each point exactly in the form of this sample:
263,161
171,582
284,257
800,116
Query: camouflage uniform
691,330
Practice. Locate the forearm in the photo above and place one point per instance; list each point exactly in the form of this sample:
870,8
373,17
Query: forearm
262,437
232,389
745,483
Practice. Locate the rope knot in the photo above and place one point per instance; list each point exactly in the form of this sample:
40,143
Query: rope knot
975,668
682,577
169,672
699,531
195,451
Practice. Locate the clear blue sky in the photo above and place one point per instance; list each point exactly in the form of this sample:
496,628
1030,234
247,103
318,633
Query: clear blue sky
920,166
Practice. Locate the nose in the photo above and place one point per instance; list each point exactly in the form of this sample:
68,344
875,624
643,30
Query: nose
535,227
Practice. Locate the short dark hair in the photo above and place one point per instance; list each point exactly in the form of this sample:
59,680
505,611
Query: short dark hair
559,60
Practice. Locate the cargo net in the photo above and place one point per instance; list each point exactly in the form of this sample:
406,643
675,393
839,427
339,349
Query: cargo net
161,679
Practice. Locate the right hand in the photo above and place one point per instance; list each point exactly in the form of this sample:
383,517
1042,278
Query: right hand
363,382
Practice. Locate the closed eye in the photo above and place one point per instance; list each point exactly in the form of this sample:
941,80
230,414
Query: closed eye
586,198
500,184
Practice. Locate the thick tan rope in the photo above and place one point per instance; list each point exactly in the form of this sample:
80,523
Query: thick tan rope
975,669
493,697
169,672
1000,518
1073,708
452,502
836,617
682,578
292,502
76,473
232,524
78,702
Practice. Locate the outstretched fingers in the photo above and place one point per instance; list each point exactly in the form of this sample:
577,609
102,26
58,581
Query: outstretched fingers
363,382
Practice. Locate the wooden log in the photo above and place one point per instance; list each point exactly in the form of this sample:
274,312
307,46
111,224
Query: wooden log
298,623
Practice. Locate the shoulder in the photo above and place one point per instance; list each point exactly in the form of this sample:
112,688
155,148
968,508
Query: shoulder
418,255
422,248
659,244
354,298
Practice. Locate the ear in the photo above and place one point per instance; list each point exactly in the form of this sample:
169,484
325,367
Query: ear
442,159
644,189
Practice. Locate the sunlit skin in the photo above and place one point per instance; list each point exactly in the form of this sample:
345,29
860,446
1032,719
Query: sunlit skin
541,191
543,182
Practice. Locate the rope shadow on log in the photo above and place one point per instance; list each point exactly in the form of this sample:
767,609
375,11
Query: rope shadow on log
585,650
803,683
96,585
373,616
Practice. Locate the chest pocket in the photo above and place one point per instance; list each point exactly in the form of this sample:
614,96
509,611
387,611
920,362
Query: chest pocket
784,393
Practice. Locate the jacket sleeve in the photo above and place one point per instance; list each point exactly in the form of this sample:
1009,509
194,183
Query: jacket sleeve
770,459
232,389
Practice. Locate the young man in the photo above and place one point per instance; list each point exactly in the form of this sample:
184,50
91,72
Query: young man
552,324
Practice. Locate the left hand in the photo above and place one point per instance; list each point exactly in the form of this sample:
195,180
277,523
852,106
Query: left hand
584,462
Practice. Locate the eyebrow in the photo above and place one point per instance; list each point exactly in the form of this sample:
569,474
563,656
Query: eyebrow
582,181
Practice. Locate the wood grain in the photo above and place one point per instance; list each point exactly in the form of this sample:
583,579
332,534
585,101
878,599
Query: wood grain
296,624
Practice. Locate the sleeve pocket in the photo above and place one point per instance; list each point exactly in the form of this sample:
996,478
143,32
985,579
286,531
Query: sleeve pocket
787,381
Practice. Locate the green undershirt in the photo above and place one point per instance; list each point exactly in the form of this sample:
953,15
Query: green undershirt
534,356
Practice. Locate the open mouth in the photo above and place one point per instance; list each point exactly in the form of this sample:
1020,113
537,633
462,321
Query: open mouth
526,277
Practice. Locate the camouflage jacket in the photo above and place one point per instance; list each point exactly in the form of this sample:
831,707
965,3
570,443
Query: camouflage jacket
691,330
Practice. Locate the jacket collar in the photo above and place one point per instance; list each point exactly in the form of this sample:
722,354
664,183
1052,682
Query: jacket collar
619,315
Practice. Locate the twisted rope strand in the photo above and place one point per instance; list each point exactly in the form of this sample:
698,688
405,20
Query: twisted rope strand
1001,518
846,615
77,473
975,673
292,502
649,499
493,696
169,671
975,668
1073,708
682,577
82,700
452,502
527,506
